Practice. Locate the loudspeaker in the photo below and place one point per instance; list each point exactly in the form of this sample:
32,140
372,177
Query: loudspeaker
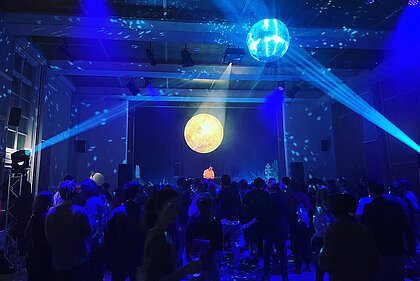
125,174
14,116
297,172
178,170
80,146
325,145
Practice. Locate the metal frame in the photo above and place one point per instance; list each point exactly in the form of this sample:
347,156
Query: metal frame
11,252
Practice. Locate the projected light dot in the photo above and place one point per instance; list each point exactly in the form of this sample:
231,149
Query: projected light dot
203,133
268,40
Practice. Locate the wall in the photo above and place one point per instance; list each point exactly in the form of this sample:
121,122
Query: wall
105,142
306,124
55,117
249,143
364,149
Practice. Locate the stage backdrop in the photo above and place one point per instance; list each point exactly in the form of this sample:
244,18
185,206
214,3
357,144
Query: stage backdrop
249,144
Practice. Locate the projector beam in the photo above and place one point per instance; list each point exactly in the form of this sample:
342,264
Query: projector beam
100,119
336,89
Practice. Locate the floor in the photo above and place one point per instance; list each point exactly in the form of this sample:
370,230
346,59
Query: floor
247,272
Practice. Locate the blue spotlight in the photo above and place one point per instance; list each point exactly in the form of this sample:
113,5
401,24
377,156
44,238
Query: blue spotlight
336,89
100,119
268,40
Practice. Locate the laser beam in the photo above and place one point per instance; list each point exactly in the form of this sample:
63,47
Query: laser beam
336,89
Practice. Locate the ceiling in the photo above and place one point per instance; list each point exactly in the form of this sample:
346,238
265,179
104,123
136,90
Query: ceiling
347,36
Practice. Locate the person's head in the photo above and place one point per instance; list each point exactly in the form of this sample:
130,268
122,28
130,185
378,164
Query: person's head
271,183
322,197
204,205
226,180
258,183
342,205
67,190
285,181
89,188
243,184
375,188
405,186
200,187
395,189
211,186
68,178
161,209
210,168
130,190
98,178
43,202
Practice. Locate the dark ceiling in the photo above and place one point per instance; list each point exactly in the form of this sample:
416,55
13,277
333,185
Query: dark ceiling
381,14
338,14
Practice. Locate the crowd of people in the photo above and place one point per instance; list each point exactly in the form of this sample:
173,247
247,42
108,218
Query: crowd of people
164,232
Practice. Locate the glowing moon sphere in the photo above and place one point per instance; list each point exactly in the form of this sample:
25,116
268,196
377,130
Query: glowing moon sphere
203,133
268,40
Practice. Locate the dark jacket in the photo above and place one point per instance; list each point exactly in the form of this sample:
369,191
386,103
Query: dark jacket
349,252
388,224
229,204
124,239
279,212
38,260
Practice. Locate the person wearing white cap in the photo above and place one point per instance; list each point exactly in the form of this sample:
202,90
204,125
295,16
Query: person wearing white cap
98,178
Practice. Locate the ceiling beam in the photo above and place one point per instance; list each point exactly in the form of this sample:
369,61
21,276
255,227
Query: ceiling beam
175,92
200,94
166,31
216,72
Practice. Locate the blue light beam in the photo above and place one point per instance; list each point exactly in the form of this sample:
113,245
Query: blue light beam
100,119
316,74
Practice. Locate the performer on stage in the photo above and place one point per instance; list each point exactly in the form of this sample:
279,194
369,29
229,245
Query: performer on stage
208,173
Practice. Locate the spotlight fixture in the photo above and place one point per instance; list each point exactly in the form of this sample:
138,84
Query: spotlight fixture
20,160
234,55
150,56
64,49
186,58
413,2
281,85
133,87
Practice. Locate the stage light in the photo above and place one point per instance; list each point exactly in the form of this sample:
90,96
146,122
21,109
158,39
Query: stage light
413,2
151,57
133,87
368,2
186,58
268,40
234,55
20,160
336,89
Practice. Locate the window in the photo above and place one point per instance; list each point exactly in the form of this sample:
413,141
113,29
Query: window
25,79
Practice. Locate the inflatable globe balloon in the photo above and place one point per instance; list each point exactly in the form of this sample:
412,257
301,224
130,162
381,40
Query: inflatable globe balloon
268,40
